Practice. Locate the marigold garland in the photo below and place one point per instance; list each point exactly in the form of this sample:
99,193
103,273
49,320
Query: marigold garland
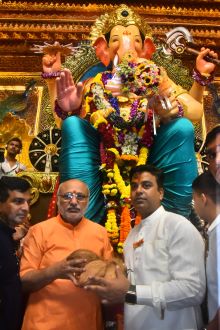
126,129
125,223
123,189
120,248
129,157
111,226
143,156
100,121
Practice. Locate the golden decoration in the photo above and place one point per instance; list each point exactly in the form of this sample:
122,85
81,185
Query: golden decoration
81,61
34,195
123,15
46,143
40,182
12,125
51,149
54,48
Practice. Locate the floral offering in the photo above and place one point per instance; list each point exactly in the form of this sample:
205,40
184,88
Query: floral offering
125,125
141,78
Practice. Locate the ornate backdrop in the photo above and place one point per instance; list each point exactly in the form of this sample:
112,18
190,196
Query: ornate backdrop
26,23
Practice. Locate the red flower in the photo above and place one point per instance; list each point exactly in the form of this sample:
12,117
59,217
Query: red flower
107,135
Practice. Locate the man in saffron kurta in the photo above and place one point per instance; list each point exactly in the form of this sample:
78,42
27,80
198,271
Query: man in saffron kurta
55,302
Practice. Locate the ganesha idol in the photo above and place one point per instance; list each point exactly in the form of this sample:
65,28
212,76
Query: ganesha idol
125,116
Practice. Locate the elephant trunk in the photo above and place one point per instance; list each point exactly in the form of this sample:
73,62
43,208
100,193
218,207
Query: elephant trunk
126,49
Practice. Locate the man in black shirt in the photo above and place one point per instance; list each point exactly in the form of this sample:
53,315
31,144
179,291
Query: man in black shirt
14,208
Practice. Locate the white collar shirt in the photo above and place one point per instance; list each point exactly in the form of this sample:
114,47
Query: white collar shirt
213,267
164,256
6,169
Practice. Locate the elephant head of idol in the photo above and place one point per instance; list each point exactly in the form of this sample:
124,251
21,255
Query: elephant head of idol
121,34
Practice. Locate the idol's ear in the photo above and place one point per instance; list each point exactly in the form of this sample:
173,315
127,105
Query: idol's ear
148,49
102,50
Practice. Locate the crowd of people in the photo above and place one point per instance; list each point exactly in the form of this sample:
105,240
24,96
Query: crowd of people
164,256
167,266
169,269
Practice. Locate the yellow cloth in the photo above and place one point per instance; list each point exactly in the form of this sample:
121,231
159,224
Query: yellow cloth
60,305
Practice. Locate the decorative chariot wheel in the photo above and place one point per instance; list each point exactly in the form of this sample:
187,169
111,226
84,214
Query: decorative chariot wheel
202,160
44,150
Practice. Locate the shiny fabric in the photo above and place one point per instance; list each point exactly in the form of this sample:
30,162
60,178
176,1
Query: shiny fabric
61,305
173,152
80,159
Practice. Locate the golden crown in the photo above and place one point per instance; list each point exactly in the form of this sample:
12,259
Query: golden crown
124,16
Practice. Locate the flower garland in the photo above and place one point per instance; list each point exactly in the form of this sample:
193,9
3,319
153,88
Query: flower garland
122,187
143,155
125,223
125,125
141,77
111,226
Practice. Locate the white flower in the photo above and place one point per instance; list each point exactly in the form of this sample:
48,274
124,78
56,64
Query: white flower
130,145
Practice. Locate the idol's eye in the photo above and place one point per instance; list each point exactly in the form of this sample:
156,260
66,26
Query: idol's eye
115,39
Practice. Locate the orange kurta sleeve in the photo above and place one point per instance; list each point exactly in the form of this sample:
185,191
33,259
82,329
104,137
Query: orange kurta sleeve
60,304
33,250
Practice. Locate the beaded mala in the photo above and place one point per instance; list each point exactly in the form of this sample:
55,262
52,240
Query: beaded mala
50,75
202,79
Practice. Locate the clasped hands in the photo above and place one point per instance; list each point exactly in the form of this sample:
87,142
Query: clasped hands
105,278
68,268
111,291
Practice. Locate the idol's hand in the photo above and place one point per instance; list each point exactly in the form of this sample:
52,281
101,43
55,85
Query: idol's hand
52,61
69,94
202,65
166,108
164,103
114,89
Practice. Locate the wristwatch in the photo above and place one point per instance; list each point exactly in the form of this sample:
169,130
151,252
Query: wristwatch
130,296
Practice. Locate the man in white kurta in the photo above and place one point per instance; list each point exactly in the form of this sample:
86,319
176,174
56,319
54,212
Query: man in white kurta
164,256
168,272
212,268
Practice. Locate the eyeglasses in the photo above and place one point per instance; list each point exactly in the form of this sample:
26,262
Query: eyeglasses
67,197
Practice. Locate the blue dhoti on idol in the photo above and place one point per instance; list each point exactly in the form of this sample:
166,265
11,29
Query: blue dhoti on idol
80,159
172,151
